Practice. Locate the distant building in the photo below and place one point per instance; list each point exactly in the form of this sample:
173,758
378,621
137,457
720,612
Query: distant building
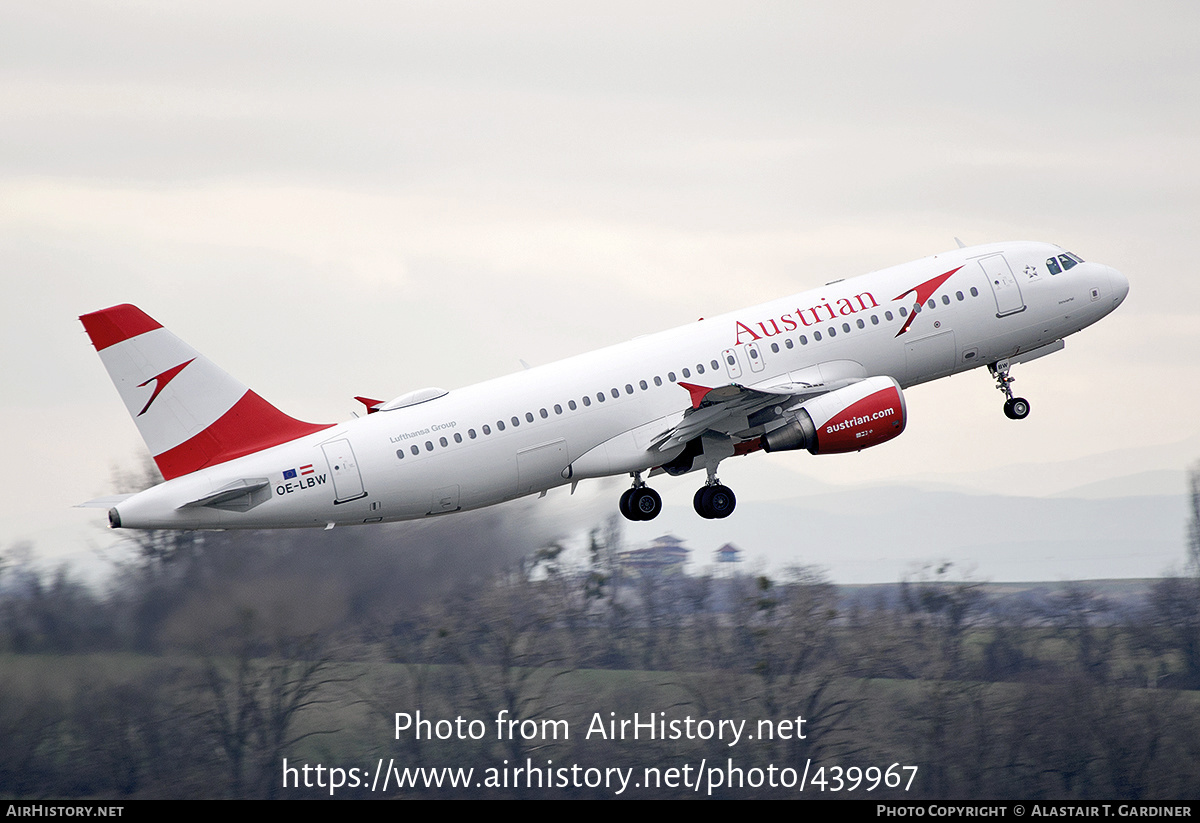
664,557
729,553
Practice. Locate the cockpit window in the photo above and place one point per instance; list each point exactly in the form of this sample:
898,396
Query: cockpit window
1068,261
1052,264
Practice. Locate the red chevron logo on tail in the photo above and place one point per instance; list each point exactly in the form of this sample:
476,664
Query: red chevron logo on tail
160,382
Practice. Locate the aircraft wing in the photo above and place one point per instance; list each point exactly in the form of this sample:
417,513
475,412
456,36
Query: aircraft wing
742,412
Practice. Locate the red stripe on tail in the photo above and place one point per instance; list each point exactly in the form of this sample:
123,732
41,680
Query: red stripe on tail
251,425
108,327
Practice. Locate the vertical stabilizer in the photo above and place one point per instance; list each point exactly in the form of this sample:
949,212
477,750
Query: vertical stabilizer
190,413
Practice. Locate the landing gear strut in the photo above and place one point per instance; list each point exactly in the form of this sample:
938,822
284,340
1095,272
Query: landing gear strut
1015,408
641,502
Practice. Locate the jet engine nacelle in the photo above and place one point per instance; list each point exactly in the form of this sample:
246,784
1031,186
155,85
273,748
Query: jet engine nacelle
850,419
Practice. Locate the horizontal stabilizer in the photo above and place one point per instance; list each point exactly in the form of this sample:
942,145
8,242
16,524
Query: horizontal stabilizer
106,502
372,405
240,495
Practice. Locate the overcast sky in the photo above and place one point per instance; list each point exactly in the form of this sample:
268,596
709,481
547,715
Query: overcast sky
367,198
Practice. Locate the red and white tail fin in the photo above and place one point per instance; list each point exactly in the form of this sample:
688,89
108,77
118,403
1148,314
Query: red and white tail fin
190,413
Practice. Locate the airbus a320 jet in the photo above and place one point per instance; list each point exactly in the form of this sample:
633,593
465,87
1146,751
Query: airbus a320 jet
821,371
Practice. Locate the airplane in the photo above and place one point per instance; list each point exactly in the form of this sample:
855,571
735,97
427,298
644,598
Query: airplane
823,370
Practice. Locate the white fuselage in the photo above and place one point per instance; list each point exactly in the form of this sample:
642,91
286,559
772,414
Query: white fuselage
599,413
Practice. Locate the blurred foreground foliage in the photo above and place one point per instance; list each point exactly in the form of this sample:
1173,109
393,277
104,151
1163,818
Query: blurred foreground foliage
215,655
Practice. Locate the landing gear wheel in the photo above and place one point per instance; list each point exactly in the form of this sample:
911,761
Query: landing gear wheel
626,505
645,503
640,503
721,501
1016,408
714,502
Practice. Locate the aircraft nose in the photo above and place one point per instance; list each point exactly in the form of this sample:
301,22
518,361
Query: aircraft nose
1120,285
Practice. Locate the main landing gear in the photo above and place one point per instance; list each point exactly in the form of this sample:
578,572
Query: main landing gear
713,501
1015,408
641,502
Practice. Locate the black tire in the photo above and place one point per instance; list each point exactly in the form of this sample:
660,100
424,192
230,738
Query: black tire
645,503
1020,408
721,501
714,502
626,505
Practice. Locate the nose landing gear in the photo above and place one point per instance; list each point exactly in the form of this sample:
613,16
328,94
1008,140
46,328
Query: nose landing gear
1015,408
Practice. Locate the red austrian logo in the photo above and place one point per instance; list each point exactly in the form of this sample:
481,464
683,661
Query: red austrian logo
811,316
160,381
923,291
825,311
